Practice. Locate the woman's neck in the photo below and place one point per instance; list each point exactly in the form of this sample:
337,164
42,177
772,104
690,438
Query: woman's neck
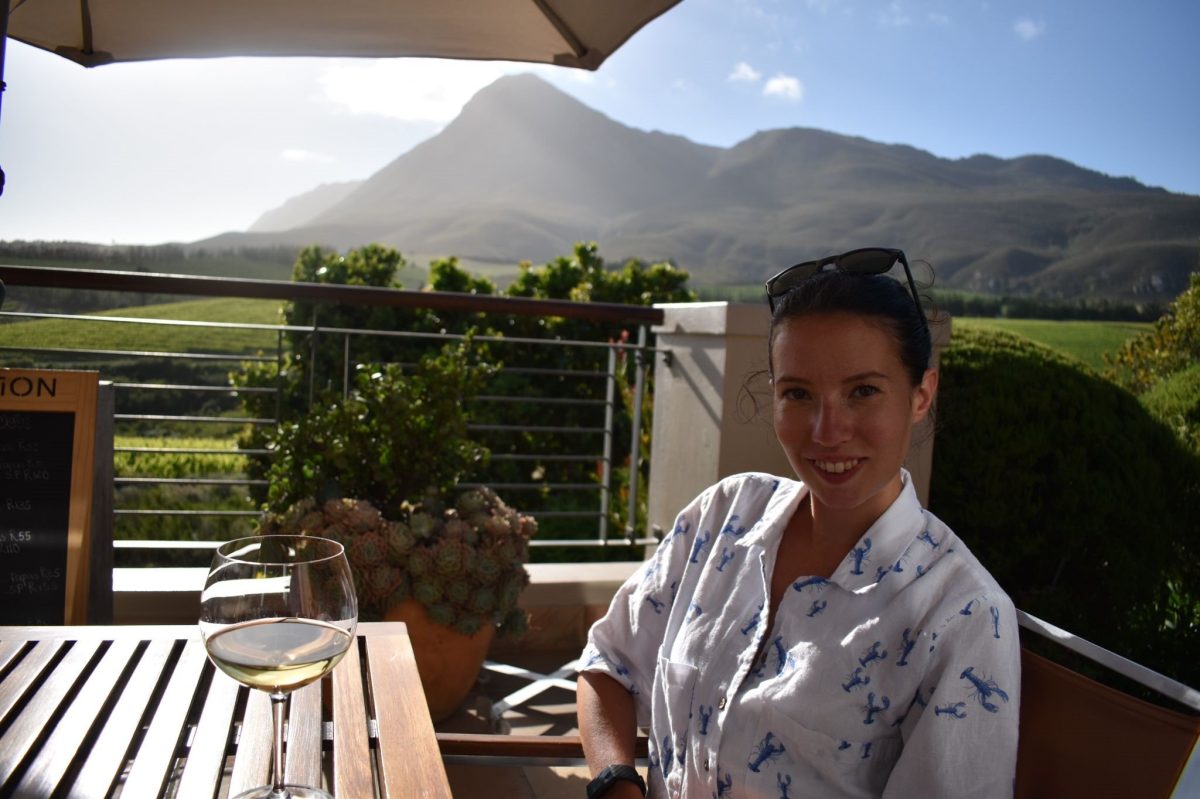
839,529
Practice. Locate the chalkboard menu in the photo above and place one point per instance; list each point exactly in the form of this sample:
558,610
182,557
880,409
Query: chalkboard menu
47,428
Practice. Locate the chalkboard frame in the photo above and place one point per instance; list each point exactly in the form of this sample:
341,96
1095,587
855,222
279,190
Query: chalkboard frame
75,392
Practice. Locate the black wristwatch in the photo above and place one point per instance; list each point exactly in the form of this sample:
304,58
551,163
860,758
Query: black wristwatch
612,774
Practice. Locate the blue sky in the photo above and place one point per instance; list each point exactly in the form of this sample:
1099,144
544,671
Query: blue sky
182,150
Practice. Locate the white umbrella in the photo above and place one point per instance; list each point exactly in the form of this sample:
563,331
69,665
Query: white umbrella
573,33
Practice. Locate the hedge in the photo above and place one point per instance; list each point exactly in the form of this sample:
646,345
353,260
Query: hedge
1083,505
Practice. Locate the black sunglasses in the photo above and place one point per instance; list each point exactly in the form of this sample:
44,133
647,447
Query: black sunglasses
865,261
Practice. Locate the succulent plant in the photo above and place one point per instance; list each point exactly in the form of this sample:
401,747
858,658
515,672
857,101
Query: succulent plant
465,563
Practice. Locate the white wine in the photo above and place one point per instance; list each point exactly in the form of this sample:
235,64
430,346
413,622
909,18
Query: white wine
278,655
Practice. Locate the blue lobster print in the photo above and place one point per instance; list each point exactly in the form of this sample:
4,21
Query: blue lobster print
817,606
860,555
698,545
726,556
872,654
954,710
906,647
785,785
724,784
995,622
753,621
655,603
872,708
856,680
983,690
928,539
706,712
765,752
820,582
730,530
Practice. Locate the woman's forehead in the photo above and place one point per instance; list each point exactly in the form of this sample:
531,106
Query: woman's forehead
834,342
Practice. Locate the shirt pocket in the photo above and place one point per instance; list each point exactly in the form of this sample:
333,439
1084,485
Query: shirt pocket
675,684
788,755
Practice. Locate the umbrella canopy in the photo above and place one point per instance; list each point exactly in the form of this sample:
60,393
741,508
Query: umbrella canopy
574,33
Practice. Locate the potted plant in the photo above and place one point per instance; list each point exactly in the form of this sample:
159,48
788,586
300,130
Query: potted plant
378,471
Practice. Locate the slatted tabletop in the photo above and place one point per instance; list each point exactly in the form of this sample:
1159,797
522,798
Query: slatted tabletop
141,712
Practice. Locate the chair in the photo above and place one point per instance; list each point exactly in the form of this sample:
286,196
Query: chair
1083,739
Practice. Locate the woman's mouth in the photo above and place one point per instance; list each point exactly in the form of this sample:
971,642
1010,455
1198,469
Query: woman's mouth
837,467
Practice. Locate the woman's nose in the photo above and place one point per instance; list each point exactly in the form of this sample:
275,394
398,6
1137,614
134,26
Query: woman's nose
831,425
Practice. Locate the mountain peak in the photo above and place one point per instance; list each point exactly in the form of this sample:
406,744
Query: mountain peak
526,170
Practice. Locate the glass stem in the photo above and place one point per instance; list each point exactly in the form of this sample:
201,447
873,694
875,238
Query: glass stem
278,790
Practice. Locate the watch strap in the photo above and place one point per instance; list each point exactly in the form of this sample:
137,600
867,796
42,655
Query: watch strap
613,774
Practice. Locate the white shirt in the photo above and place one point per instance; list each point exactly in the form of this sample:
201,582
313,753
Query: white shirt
899,676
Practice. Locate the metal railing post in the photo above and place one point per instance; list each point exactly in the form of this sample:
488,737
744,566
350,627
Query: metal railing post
635,440
610,392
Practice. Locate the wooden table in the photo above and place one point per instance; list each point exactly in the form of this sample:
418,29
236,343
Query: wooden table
141,712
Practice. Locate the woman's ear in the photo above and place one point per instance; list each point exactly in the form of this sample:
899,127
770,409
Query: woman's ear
924,394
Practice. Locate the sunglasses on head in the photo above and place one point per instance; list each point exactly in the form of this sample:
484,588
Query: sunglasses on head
865,261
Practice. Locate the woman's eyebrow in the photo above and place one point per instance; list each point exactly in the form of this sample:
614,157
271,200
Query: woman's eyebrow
866,376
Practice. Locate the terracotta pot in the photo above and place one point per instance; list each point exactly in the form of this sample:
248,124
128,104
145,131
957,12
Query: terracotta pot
449,662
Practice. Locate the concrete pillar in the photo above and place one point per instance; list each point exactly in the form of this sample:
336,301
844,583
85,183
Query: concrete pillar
706,423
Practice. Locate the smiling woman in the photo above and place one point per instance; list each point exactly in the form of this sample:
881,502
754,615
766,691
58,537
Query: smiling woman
826,635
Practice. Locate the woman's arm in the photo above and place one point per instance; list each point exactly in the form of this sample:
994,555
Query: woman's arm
608,727
607,720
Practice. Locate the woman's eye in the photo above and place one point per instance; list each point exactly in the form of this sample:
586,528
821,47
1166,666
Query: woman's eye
864,391
794,394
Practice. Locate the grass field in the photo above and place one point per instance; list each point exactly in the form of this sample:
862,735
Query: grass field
1086,341
85,334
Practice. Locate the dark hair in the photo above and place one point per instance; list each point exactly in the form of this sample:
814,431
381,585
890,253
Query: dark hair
877,296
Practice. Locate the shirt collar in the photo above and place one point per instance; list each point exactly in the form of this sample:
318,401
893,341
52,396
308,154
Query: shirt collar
874,558
877,556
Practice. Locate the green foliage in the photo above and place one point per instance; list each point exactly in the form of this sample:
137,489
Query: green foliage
1084,507
1175,400
394,436
465,563
1172,346
315,367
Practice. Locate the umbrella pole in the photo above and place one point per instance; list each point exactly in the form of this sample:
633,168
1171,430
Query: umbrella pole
3,42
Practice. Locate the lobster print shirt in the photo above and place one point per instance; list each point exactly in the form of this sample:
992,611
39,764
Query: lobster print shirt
898,676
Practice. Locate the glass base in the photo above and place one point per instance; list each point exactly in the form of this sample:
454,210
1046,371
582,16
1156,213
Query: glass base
290,792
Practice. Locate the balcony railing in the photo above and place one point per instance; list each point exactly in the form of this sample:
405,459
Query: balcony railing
175,398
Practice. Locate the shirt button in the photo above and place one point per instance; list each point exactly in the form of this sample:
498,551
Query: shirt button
721,704
706,764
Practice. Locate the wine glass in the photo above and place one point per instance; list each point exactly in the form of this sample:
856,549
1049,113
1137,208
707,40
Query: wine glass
277,613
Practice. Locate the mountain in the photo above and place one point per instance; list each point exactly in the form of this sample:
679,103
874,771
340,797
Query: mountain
526,170
303,208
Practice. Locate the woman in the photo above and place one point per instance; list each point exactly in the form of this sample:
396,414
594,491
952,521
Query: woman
824,637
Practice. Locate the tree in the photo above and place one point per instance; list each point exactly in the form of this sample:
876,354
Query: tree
1172,346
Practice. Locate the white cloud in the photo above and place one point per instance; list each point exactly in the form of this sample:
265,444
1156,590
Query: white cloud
1029,29
303,156
744,73
938,18
894,16
785,87
823,6
410,89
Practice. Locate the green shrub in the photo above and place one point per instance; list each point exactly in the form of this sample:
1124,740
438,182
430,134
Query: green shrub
1175,400
1084,507
394,437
